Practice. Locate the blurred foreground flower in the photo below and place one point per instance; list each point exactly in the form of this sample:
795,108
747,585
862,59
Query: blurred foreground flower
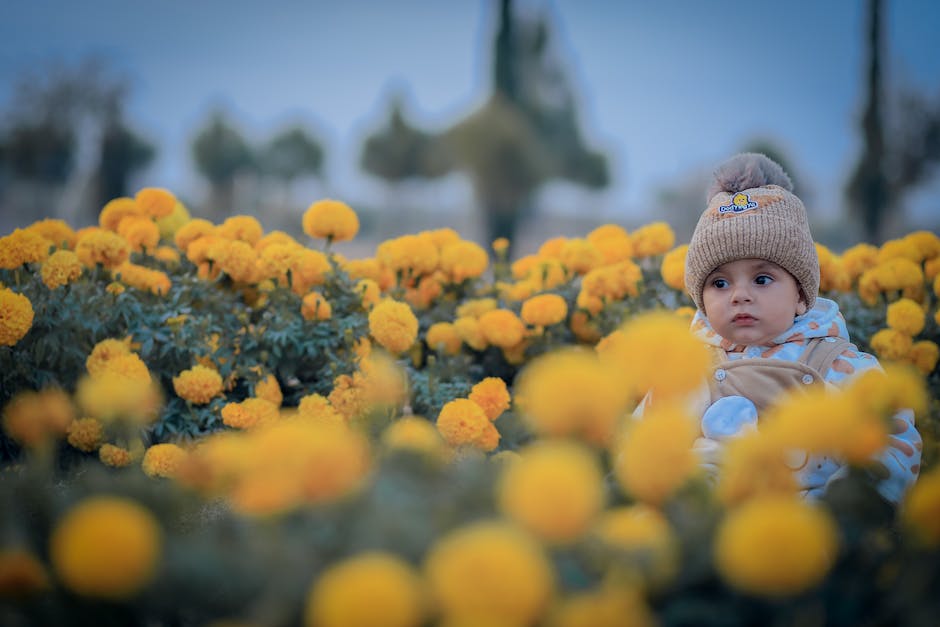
106,547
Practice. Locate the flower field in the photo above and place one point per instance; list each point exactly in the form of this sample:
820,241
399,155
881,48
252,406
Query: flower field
210,424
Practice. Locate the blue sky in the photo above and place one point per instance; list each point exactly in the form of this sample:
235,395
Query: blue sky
668,89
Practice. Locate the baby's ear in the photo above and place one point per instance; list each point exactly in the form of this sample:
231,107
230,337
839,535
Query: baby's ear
801,307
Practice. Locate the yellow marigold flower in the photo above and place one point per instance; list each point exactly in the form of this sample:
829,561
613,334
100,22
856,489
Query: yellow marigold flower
191,231
115,288
170,224
584,328
279,238
492,396
475,307
891,344
16,316
832,273
642,533
682,360
128,366
163,460
580,255
317,407
198,385
516,292
373,589
570,393
921,511
652,239
269,389
825,423
522,267
239,260
242,227
141,232
673,267
551,248
502,328
22,246
119,394
275,260
155,202
544,310
410,255
462,422
926,243
393,325
106,547
610,283
315,306
331,220
613,242
58,232
613,605
654,457
776,546
899,249
924,355
468,329
858,259
547,274
102,247
166,254
61,268
513,580
348,395
309,268
906,316
86,434
417,434
143,278
463,260
932,269
754,465
21,575
34,418
371,294
500,245
249,413
116,210
104,351
443,336
114,456
555,490
291,462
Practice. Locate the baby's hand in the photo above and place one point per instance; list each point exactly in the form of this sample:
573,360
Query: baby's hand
729,416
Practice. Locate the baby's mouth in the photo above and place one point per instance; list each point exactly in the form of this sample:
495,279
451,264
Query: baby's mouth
744,319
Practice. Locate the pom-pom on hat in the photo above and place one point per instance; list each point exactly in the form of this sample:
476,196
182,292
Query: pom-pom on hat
752,213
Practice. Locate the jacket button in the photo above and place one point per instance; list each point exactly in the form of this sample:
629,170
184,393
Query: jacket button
720,374
807,378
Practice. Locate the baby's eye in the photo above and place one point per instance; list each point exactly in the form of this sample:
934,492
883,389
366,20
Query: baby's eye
720,283
764,279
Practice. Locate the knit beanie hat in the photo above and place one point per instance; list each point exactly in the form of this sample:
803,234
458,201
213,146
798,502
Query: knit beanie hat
752,214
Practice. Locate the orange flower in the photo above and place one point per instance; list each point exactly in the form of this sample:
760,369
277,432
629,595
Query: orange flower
492,396
393,325
316,307
155,202
502,328
463,422
331,220
16,316
544,310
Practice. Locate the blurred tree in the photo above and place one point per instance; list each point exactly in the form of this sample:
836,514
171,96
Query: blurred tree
527,131
887,170
399,151
292,154
123,152
64,135
221,153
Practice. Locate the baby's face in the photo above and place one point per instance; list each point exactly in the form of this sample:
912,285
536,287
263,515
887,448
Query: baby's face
751,301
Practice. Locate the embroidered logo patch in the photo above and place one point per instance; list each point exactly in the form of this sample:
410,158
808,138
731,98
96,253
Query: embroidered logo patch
740,203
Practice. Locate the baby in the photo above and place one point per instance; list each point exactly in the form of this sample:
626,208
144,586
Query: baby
753,273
